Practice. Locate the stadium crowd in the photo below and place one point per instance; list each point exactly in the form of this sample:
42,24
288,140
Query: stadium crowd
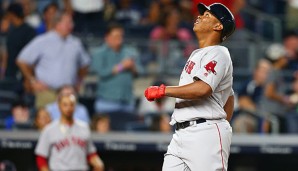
50,48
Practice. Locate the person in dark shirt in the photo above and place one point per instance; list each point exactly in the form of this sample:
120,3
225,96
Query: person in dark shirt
249,99
251,92
18,36
49,13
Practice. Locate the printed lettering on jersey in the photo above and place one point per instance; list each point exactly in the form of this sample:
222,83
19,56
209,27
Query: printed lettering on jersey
210,67
189,66
71,141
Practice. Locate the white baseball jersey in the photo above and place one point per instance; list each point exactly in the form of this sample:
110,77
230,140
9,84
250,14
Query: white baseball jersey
66,147
213,65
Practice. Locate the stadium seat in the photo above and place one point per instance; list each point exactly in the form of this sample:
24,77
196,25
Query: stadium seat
291,123
120,119
136,126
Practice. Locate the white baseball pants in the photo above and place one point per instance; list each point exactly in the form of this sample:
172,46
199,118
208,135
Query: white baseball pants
200,147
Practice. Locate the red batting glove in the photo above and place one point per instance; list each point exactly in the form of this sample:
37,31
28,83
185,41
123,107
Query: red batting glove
155,92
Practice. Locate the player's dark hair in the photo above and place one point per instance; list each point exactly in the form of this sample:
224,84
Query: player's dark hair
47,7
290,33
18,103
58,16
16,9
113,26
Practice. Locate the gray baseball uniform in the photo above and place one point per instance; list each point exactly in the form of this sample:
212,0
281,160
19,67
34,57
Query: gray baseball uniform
66,147
204,146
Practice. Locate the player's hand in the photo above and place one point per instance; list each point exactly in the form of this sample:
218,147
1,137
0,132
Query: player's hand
128,63
38,86
155,92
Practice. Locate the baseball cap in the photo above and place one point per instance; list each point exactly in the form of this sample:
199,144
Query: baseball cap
223,14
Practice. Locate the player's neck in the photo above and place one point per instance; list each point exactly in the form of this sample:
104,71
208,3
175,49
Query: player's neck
207,42
210,39
66,121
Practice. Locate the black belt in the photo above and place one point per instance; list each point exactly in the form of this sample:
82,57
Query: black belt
186,124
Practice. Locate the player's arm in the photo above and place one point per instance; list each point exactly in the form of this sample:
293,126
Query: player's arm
82,72
95,162
26,69
196,90
271,93
42,163
246,103
229,107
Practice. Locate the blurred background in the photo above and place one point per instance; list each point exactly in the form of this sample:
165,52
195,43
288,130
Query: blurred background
130,133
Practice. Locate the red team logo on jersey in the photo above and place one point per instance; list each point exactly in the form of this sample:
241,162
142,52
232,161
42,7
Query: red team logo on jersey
210,67
189,66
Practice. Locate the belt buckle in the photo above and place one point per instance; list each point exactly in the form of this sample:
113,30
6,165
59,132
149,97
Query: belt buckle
191,123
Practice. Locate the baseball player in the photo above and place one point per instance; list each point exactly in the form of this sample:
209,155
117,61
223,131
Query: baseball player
204,98
65,144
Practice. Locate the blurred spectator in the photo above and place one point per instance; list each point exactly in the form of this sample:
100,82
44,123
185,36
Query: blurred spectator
185,7
40,5
31,15
152,16
116,65
20,116
294,95
54,59
247,120
291,14
250,94
127,13
167,5
20,34
42,119
170,30
6,165
159,106
4,27
100,123
290,42
160,123
80,112
49,13
109,10
274,101
88,15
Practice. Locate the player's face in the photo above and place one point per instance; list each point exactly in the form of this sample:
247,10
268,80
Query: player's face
115,38
206,22
67,106
66,24
42,119
50,13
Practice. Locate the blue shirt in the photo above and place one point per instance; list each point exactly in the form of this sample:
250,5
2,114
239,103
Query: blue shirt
80,113
56,59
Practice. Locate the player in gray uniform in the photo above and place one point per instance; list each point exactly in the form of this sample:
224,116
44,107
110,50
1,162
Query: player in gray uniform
204,98
65,144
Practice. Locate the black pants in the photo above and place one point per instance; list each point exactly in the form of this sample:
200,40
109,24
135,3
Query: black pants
87,22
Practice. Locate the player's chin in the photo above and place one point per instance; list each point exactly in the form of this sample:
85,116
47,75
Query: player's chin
69,114
195,28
